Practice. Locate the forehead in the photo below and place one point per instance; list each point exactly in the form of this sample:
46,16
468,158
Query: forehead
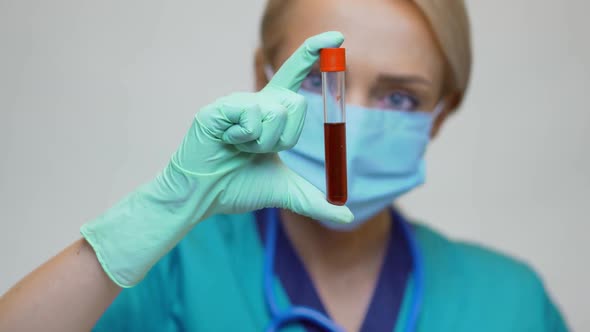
385,36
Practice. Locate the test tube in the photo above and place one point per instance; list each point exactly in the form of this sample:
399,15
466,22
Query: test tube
333,67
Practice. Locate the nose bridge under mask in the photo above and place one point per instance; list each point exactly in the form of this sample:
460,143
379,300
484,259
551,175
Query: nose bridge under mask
367,129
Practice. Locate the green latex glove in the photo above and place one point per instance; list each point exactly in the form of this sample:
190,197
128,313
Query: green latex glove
227,163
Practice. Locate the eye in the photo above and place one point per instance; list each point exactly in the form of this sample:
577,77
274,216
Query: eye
313,82
399,101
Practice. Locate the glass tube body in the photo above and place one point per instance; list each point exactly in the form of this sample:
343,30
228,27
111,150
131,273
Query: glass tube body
333,91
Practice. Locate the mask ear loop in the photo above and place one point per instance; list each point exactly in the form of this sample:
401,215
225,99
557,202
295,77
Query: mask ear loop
440,107
268,72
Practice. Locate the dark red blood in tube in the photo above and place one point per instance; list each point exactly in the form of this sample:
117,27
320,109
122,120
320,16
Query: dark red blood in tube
336,179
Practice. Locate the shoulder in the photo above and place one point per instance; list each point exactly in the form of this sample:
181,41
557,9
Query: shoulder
210,243
459,257
485,280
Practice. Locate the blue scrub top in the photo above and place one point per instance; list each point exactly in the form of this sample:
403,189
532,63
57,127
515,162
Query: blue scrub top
389,290
212,281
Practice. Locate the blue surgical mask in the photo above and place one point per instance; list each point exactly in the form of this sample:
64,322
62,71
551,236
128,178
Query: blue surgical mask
385,152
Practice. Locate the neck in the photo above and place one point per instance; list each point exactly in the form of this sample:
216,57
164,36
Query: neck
319,246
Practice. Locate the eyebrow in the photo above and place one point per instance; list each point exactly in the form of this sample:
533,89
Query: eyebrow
404,79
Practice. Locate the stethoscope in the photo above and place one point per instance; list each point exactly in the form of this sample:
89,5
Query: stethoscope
281,317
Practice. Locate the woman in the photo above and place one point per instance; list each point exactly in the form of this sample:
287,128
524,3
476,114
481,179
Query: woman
311,266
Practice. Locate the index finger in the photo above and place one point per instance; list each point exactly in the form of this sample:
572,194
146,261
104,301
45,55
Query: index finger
297,67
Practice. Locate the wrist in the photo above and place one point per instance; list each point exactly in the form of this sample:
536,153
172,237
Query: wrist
133,235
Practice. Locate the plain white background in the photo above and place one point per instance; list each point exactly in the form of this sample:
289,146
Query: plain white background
96,95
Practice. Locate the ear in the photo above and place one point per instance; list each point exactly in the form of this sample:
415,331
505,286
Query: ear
452,101
260,79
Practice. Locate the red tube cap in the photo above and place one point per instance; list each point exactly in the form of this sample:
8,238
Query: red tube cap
332,59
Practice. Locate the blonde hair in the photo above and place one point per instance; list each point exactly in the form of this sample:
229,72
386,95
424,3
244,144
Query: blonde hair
448,20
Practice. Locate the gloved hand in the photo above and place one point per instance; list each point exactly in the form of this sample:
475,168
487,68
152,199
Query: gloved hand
227,163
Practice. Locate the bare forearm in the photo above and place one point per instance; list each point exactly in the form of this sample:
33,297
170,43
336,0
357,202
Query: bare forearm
68,293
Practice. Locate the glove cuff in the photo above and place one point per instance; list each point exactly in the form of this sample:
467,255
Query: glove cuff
135,233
